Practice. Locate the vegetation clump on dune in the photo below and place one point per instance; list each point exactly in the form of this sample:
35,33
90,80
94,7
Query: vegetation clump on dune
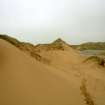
11,40
58,44
26,47
100,61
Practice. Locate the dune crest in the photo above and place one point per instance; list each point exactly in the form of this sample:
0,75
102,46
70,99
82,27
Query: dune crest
48,74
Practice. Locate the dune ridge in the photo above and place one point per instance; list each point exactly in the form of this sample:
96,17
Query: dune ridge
62,78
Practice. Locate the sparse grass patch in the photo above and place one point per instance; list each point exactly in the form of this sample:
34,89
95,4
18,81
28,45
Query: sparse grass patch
11,40
26,47
100,61
87,97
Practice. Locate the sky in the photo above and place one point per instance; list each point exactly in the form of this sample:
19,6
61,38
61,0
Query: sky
42,21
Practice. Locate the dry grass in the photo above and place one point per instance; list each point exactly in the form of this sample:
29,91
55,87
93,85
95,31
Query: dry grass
88,99
39,58
11,40
100,61
26,47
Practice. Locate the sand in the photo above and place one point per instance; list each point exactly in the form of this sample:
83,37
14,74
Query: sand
66,80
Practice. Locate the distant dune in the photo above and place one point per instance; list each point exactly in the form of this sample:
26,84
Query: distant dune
90,46
49,74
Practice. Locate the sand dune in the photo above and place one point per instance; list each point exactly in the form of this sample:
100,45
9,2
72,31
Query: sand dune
65,80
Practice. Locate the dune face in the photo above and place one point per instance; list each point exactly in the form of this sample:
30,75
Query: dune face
51,74
24,81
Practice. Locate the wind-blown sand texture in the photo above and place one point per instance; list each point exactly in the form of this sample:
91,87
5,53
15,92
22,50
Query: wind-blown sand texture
55,75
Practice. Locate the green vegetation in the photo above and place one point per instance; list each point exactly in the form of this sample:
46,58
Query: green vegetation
90,46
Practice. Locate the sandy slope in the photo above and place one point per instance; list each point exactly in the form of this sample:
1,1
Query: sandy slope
65,81
71,63
24,81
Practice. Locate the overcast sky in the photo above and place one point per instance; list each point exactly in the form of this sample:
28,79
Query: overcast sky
42,21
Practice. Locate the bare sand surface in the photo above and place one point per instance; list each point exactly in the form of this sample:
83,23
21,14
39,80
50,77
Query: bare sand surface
66,80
